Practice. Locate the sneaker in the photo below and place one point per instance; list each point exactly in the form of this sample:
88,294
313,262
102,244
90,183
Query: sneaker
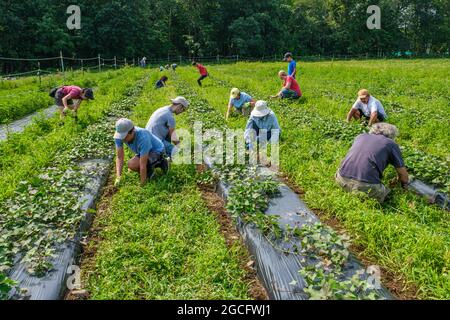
164,165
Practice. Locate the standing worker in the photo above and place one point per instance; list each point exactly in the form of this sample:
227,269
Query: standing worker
143,62
368,107
363,167
292,67
241,102
202,70
65,95
162,124
148,148
290,89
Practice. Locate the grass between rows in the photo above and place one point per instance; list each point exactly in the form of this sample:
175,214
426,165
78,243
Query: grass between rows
406,236
160,241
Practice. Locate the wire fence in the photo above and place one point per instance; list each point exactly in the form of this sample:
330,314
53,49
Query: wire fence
12,68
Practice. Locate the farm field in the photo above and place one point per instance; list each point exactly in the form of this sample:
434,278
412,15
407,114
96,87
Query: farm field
162,241
405,235
19,98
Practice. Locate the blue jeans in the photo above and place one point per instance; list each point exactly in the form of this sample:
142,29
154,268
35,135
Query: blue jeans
169,147
289,94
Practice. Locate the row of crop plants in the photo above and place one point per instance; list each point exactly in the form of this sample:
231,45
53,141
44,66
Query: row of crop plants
41,180
160,241
406,236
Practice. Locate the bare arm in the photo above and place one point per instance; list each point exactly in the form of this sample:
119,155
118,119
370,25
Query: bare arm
143,169
65,99
120,156
228,111
403,176
373,118
173,136
351,114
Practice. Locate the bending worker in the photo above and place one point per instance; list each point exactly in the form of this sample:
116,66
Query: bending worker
363,167
65,95
241,101
162,124
368,107
161,83
291,88
203,72
148,148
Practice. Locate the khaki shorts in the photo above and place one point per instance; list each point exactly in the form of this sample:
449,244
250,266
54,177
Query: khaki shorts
375,191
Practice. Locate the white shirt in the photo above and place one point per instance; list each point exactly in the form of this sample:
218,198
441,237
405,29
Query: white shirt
374,105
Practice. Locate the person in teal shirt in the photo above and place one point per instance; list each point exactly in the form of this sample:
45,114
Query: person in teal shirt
148,148
241,101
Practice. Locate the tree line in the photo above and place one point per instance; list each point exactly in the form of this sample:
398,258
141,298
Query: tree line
250,28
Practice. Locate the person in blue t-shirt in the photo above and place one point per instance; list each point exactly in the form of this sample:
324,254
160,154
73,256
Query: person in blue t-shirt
148,148
292,67
241,102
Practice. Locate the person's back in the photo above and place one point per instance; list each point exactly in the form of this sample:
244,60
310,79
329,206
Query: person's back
202,69
292,68
160,122
294,85
368,158
142,140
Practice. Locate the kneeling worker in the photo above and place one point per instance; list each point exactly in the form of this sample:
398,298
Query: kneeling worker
363,167
291,88
241,101
368,107
162,124
148,148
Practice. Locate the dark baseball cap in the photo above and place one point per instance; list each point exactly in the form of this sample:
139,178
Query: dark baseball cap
89,93
287,55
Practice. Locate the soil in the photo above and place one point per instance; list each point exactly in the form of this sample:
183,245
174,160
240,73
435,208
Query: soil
89,247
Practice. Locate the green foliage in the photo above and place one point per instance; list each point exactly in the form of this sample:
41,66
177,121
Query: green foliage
406,236
252,28
6,285
45,209
160,241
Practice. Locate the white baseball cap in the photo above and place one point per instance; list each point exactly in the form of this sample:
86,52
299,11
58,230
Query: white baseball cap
123,126
234,93
180,100
261,109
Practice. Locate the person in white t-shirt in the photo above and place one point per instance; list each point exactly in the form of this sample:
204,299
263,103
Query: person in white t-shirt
368,107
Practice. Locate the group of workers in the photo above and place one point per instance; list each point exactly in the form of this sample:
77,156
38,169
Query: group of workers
154,146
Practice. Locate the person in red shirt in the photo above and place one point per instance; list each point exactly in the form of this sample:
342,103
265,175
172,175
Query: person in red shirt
65,95
202,70
291,88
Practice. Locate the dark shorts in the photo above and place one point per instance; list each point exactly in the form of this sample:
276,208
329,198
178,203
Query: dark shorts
381,118
58,99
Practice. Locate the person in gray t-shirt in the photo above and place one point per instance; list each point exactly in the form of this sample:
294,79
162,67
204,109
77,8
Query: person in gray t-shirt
363,167
367,107
162,123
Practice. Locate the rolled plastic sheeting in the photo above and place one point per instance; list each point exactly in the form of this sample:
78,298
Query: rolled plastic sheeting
53,285
277,269
20,125
433,195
